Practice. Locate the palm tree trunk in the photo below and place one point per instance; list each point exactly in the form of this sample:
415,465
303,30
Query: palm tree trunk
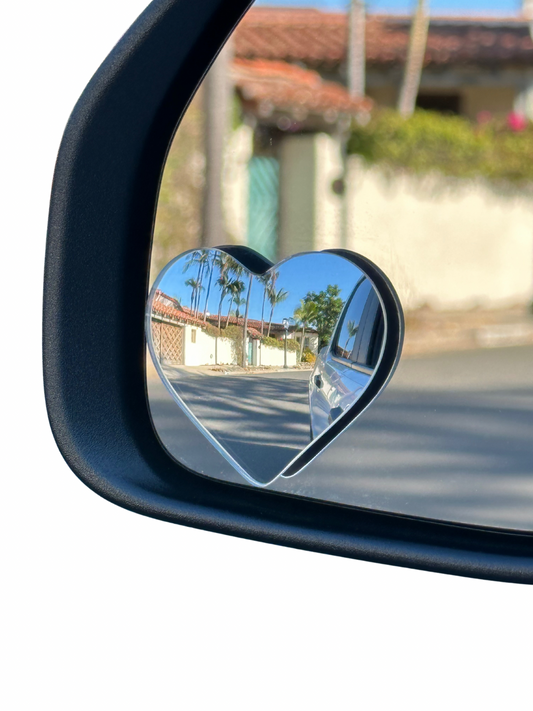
263,312
229,310
200,277
415,60
245,327
208,292
270,322
220,309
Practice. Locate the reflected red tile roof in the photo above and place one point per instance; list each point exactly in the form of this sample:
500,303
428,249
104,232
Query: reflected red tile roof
184,316
175,314
320,38
270,85
180,316
254,326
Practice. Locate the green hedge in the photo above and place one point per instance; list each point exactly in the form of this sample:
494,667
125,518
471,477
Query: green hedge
452,145
292,344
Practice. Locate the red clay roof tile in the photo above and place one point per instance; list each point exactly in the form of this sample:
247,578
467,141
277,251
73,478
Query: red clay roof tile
270,85
320,38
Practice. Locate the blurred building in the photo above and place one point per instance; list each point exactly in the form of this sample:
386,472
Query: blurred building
471,64
289,186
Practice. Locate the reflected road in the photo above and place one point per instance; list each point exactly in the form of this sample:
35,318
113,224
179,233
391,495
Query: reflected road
248,413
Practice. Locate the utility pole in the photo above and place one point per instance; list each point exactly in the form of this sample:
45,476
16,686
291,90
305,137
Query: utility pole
245,326
286,327
218,98
415,60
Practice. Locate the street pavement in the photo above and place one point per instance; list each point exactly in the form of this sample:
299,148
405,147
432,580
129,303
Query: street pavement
450,438
261,419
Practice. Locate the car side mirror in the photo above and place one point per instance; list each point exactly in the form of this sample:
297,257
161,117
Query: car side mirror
97,316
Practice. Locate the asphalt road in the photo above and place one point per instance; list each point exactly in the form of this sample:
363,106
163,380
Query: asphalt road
451,438
262,420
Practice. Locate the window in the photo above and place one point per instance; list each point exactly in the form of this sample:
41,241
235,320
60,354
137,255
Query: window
361,332
193,335
443,103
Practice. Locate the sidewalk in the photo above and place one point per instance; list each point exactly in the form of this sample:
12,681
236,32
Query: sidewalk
215,370
430,331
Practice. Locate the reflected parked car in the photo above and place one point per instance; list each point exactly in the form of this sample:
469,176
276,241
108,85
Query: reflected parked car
344,368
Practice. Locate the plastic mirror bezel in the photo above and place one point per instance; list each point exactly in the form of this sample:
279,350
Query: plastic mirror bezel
96,276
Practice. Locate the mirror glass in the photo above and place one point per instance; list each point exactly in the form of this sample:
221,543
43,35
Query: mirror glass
263,364
321,130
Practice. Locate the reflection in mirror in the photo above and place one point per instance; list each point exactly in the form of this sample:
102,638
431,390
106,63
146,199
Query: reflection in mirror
420,160
264,363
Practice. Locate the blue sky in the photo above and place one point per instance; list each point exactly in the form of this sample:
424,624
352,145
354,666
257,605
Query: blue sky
436,7
311,272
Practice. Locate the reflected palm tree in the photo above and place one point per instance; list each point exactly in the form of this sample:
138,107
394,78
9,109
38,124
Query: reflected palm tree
266,280
191,260
352,329
225,265
305,315
275,298
211,263
238,302
235,289
203,263
223,281
195,287
201,259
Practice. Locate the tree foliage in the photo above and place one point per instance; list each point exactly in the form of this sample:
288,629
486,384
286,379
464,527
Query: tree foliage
272,342
305,315
179,211
328,309
451,145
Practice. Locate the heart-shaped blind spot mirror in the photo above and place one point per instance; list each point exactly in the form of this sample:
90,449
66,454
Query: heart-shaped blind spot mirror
272,362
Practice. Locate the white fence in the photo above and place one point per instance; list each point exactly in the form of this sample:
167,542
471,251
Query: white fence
269,356
202,349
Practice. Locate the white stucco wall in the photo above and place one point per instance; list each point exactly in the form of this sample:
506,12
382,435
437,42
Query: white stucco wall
445,243
203,351
273,356
225,352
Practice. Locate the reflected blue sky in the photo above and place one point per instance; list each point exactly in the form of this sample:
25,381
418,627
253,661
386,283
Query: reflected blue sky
297,276
402,7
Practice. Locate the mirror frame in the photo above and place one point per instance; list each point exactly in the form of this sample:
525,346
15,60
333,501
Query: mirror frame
101,219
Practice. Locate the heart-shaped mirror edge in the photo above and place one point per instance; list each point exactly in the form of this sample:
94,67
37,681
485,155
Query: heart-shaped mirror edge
262,265
388,361
393,340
